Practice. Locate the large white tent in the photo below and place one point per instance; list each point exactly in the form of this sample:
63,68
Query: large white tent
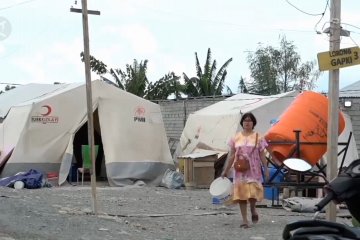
40,124
212,127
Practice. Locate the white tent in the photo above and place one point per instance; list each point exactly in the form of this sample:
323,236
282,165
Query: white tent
212,127
351,153
42,130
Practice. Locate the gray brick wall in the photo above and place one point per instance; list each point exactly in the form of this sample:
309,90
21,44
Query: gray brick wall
176,112
354,113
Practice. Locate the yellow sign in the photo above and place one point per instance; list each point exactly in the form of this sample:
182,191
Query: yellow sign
345,57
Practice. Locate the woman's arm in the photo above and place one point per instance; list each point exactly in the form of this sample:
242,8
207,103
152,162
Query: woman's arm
228,163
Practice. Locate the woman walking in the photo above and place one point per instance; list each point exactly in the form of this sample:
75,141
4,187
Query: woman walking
247,155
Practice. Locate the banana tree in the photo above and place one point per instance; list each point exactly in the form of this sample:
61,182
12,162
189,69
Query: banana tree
208,81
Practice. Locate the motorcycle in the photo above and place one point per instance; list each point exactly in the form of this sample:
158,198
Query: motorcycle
344,188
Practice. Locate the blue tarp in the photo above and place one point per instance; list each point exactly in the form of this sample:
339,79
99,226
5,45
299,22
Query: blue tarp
32,179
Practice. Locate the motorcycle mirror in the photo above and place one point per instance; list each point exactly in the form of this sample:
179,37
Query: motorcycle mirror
297,164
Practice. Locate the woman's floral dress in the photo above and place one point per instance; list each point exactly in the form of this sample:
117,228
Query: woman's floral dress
248,184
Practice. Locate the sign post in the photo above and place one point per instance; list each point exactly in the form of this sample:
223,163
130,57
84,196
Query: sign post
341,58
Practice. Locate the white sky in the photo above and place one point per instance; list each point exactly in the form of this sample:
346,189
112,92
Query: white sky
46,39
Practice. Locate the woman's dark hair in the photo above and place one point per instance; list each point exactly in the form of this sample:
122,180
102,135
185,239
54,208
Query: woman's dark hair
248,115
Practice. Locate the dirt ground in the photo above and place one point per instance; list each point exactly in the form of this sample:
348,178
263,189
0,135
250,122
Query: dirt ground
131,212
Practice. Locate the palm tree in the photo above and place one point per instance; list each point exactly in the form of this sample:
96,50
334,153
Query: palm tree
133,79
164,87
207,82
242,86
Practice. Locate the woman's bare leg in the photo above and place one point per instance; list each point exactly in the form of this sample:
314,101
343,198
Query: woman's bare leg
254,214
243,210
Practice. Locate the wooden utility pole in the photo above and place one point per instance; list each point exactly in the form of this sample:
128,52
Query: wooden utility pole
333,108
89,99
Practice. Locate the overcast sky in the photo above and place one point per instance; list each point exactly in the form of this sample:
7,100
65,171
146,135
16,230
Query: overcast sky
45,41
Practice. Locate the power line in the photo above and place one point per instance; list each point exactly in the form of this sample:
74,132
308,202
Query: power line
322,16
311,14
248,27
350,25
353,41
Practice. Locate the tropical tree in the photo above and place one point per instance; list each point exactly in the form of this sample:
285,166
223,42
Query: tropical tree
96,65
242,86
164,87
207,81
276,70
308,74
133,79
263,72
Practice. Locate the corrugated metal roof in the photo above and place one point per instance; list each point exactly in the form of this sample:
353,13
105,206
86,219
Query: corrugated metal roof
352,90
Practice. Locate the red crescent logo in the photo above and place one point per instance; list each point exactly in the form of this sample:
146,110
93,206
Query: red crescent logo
48,110
140,111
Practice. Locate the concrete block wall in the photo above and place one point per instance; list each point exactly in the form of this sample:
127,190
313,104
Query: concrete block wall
176,112
354,113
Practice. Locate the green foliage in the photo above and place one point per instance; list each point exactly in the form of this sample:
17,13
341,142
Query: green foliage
96,65
242,87
228,91
164,87
207,81
307,75
133,79
280,70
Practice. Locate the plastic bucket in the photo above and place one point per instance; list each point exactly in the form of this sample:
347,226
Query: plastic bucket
19,185
221,190
308,113
272,193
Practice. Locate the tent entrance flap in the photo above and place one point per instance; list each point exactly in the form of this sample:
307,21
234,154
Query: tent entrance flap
81,138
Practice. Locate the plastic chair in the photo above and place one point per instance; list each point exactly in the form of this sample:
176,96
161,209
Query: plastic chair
87,164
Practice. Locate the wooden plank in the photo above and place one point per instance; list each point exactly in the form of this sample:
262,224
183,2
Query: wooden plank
203,164
189,173
175,214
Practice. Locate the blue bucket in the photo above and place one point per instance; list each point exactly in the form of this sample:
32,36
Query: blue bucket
273,193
